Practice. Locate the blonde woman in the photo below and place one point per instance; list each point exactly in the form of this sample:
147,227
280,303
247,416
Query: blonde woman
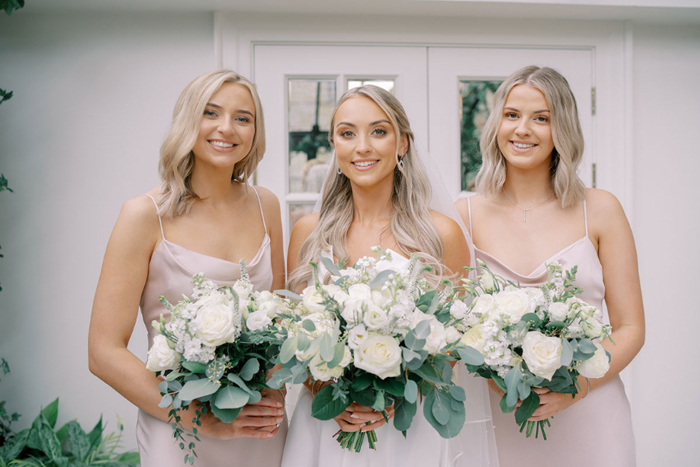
204,217
532,208
376,193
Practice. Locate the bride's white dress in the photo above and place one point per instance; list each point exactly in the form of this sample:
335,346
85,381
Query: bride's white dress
311,442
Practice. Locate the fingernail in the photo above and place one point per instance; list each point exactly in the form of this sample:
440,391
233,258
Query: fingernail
280,412
269,435
279,404
279,420
354,416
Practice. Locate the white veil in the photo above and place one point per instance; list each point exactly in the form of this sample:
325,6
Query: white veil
475,446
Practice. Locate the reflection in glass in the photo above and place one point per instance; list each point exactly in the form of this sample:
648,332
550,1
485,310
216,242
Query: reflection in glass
387,84
310,105
476,98
297,211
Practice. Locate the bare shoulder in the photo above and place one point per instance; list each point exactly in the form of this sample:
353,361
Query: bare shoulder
270,202
603,206
447,228
139,216
304,226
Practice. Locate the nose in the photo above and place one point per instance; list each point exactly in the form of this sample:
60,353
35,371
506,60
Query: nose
363,145
226,126
523,127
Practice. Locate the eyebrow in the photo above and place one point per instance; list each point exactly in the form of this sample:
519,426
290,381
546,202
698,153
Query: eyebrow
371,124
242,111
537,111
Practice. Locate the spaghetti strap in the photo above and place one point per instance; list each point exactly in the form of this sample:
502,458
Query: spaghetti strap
469,205
261,209
585,216
157,212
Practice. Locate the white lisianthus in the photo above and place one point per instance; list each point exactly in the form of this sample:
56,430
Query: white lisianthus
310,352
160,356
381,297
475,337
320,371
356,335
267,302
312,299
592,328
352,311
360,292
558,311
575,329
375,318
483,305
542,354
379,355
214,324
452,335
597,365
243,289
486,281
458,310
258,320
513,304
536,295
437,339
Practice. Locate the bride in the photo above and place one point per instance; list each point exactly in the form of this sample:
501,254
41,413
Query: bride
376,193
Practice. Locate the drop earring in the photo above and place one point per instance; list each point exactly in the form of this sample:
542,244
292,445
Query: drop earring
340,172
401,161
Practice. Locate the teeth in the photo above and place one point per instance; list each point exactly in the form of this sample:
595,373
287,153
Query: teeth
523,146
365,164
221,144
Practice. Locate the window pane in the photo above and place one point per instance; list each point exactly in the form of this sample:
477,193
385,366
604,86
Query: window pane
297,211
387,84
477,102
310,105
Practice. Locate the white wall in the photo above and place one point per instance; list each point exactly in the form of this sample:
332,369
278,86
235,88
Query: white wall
667,232
93,98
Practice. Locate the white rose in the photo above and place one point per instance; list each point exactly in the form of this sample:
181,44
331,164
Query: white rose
352,311
270,308
597,365
486,281
458,310
312,300
452,335
536,295
360,292
514,304
542,354
558,311
437,339
381,297
483,305
476,337
379,355
160,356
375,318
258,320
356,336
243,289
214,323
310,352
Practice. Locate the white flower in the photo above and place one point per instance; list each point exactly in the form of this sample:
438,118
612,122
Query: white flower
542,354
513,304
592,328
536,295
558,311
214,323
483,305
475,337
375,318
597,365
381,297
352,311
452,335
356,336
312,299
160,356
486,281
243,289
258,320
360,292
437,339
268,303
458,310
379,355
320,371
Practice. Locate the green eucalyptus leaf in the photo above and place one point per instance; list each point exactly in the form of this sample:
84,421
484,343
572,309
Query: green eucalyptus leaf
197,389
458,393
411,391
422,329
505,408
457,416
326,348
165,401
330,266
567,353
280,377
231,397
250,369
470,355
288,350
338,354
225,415
527,408
288,294
308,325
381,278
195,367
325,407
587,346
404,411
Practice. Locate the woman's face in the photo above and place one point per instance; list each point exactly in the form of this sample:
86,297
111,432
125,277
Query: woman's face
227,128
365,142
525,134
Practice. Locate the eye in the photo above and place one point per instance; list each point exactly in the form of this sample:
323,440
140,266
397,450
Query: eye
542,119
347,134
210,113
379,132
511,115
243,119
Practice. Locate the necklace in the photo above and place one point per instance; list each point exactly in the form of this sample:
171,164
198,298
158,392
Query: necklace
528,209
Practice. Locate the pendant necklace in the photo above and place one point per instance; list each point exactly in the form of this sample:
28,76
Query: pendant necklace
528,209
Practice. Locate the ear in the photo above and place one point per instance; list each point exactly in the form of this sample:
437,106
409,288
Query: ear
403,146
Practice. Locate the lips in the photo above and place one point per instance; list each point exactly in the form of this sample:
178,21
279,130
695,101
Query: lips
364,164
220,145
523,145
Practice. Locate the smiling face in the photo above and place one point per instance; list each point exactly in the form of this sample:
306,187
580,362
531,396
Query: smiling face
227,128
365,142
525,133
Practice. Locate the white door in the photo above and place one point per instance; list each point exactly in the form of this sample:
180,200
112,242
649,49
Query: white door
455,72
299,85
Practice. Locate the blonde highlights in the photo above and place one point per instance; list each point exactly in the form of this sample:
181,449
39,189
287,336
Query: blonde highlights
176,157
411,223
566,134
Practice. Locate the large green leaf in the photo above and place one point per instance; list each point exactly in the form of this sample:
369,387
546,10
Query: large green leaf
567,353
404,412
470,355
95,436
51,413
12,448
288,350
527,408
326,348
391,385
441,409
362,382
196,389
78,441
412,342
381,278
49,442
225,415
231,397
325,407
250,369
456,413
429,373
513,378
195,367
411,391
505,408
338,354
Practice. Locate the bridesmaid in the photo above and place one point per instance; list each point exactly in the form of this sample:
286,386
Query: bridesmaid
532,208
204,217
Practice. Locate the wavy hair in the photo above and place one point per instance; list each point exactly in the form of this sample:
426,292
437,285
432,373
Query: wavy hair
411,222
176,156
566,134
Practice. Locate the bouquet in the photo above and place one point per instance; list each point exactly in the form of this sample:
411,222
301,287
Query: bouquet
214,349
382,337
534,337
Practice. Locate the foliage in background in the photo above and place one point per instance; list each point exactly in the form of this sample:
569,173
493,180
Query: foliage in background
11,5
476,105
6,419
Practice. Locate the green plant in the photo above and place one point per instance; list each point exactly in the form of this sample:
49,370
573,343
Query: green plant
6,419
11,5
69,446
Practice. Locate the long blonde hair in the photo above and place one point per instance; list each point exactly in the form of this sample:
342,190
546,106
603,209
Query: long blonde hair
566,134
411,222
176,157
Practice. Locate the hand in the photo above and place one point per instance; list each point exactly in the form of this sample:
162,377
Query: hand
260,420
552,403
356,417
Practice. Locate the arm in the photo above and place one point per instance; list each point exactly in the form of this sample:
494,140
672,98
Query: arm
114,314
273,220
455,253
608,227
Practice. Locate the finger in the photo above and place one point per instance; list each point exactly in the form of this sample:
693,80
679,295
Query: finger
252,433
268,401
261,411
355,407
541,390
258,421
347,427
373,426
366,417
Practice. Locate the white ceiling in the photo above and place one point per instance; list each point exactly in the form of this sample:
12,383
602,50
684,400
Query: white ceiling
685,11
